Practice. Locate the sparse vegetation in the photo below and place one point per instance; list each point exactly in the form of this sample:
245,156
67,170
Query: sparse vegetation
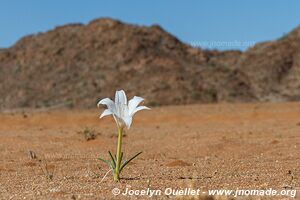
46,168
89,133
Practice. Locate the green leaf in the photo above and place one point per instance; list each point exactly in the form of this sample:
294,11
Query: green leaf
103,160
126,162
121,157
112,158
107,162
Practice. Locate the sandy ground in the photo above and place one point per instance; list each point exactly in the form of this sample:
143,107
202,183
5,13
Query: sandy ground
223,146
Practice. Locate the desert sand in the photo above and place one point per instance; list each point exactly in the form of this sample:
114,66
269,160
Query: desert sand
214,146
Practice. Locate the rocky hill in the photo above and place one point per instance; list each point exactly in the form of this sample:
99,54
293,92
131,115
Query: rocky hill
75,65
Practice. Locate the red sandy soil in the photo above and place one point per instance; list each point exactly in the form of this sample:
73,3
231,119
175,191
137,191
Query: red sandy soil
220,146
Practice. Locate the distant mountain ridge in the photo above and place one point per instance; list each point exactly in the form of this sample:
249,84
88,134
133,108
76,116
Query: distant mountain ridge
75,65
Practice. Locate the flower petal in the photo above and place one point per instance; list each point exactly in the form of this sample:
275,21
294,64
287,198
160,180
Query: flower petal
127,121
109,103
120,98
133,103
119,121
139,108
105,113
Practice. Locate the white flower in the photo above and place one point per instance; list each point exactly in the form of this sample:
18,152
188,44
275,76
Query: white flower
121,111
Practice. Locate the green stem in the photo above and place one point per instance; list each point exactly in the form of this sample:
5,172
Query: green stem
118,164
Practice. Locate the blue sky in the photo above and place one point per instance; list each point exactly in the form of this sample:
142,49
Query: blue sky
231,24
